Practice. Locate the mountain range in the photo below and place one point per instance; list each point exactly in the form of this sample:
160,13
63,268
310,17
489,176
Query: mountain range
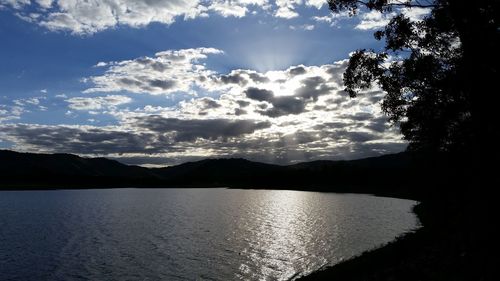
387,173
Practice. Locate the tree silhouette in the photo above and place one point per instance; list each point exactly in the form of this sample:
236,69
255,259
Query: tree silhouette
439,73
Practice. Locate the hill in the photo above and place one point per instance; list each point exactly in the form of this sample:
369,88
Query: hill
28,170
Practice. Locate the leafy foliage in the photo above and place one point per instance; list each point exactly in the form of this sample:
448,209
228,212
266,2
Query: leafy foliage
438,90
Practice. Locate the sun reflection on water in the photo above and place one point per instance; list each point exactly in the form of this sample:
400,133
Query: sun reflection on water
281,237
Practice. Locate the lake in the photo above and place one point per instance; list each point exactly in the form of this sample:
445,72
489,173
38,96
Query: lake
189,234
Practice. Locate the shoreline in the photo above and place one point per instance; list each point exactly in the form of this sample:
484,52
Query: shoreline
367,260
454,243
394,195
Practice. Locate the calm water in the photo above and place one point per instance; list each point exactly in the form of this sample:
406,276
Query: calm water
189,234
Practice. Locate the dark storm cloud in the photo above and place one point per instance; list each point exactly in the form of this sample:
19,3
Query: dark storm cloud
156,65
302,137
243,103
299,70
239,111
354,136
263,105
129,82
242,77
258,78
162,84
233,78
190,130
331,125
313,87
151,134
259,94
82,140
379,125
359,116
209,103
284,106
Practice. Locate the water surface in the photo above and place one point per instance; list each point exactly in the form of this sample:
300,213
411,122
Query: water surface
189,234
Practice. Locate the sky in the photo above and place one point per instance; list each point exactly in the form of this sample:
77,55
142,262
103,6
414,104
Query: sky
162,82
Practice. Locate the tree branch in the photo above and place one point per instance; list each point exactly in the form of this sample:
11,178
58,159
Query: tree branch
401,4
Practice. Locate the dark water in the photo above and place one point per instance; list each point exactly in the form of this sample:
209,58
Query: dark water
188,234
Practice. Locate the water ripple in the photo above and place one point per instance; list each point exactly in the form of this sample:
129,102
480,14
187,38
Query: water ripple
189,234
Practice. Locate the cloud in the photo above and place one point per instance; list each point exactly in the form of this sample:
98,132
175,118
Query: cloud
167,72
181,71
228,9
9,113
96,103
332,18
416,14
29,101
77,139
299,70
283,116
374,20
86,17
192,129
149,134
259,94
282,105
318,4
313,87
91,16
307,27
285,106
163,141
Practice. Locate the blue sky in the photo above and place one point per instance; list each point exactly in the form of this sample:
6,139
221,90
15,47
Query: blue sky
87,77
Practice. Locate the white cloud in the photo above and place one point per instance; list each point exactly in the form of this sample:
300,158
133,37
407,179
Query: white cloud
29,101
238,8
16,4
327,19
316,3
307,27
416,14
374,20
91,16
286,8
167,72
45,3
332,18
96,103
9,113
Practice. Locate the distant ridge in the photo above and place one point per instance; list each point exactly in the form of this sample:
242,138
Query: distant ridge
40,171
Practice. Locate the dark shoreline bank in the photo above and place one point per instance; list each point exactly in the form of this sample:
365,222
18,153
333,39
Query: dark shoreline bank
452,244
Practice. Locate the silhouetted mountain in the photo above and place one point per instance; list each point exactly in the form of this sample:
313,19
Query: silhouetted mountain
66,170
221,172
